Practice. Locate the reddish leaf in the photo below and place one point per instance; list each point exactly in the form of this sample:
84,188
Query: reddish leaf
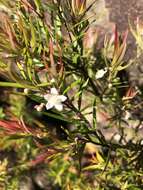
130,94
42,157
13,127
27,5
116,39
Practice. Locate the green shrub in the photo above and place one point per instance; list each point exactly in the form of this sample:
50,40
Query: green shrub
66,106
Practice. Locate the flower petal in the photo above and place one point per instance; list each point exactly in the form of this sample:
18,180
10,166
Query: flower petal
59,107
47,96
49,106
62,98
54,91
100,73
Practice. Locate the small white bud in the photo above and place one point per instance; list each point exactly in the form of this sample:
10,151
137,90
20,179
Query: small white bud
26,91
39,107
52,80
109,85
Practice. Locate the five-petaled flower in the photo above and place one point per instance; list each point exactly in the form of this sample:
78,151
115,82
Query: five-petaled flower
54,100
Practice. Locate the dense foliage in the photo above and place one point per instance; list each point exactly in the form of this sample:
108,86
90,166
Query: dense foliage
69,116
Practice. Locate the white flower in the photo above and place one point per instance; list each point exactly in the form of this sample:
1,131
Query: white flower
54,100
100,73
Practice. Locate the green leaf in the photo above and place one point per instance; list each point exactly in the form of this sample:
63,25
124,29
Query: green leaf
72,85
33,35
2,114
59,117
38,4
22,26
21,70
16,85
36,98
94,113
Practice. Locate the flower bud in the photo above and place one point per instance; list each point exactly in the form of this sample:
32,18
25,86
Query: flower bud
39,107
